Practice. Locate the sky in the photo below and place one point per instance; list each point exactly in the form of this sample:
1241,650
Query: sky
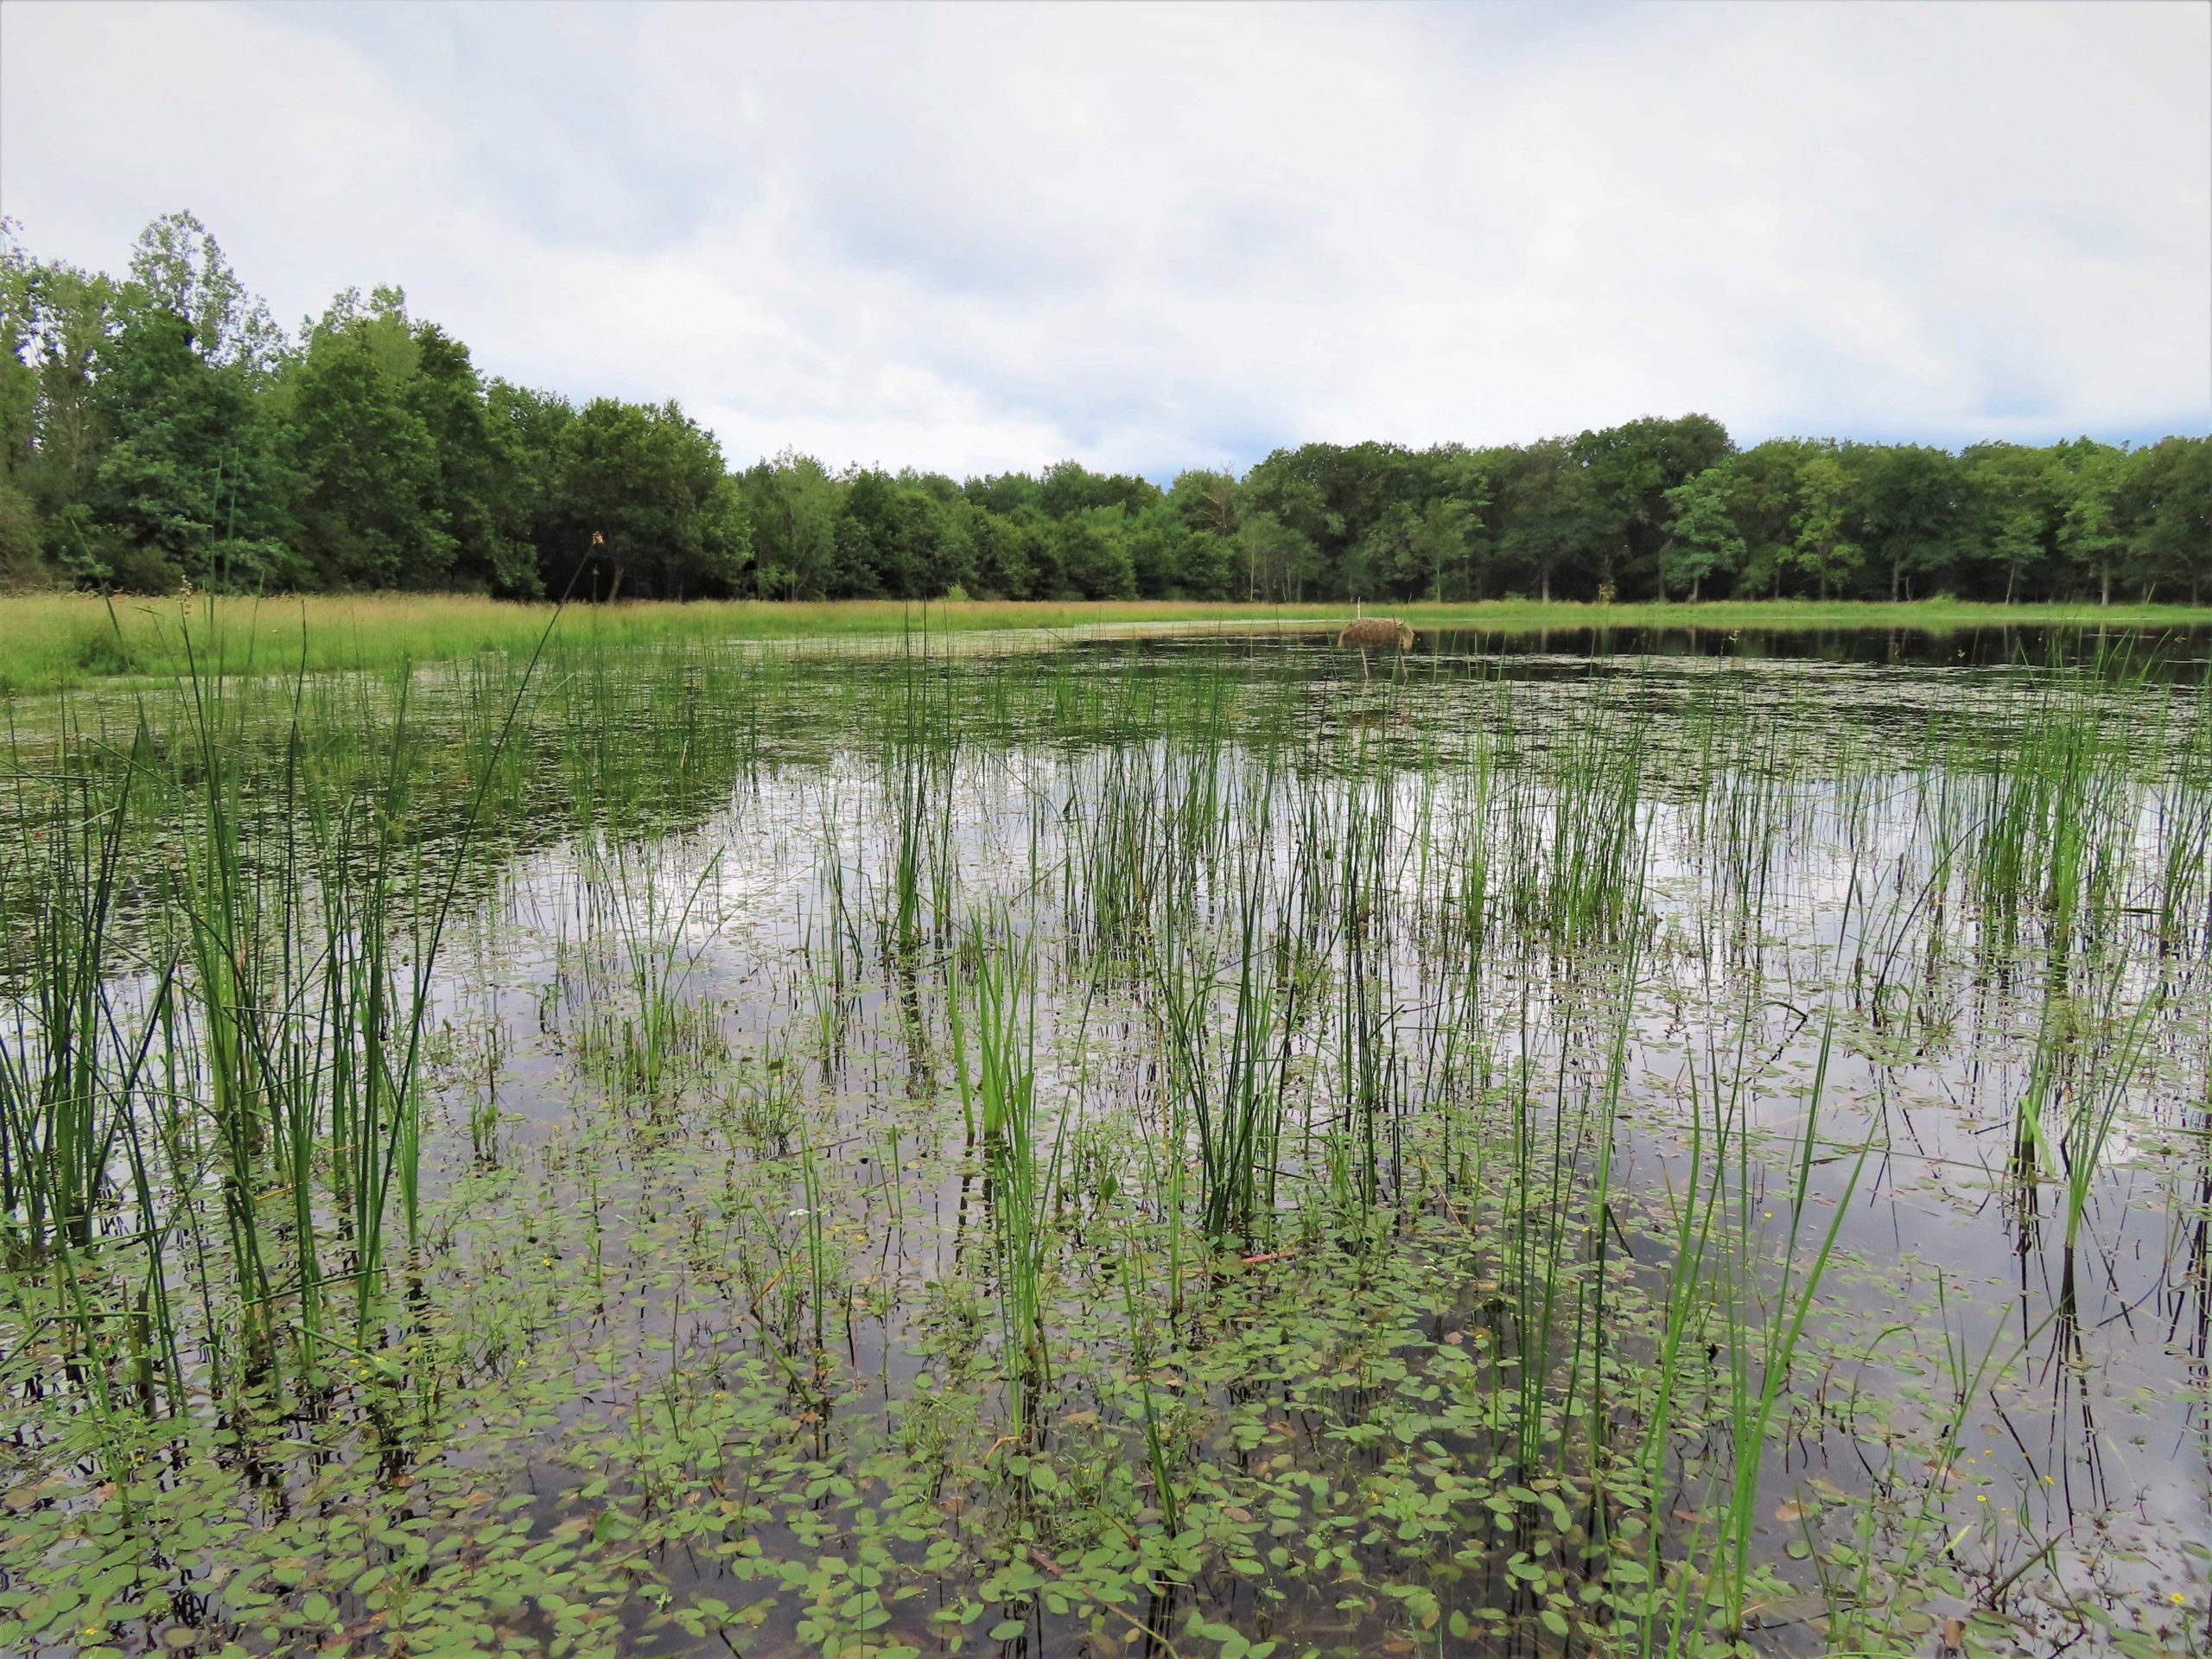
981,238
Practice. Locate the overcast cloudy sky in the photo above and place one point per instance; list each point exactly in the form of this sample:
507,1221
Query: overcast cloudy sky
983,238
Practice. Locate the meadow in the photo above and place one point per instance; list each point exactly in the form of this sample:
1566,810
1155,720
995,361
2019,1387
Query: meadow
57,640
583,1135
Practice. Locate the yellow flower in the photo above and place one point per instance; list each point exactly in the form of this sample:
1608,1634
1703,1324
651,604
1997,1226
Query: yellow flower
2178,1598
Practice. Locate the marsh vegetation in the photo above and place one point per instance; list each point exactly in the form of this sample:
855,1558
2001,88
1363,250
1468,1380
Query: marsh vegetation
1141,1148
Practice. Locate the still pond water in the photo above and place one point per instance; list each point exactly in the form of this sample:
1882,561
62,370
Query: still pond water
1627,1142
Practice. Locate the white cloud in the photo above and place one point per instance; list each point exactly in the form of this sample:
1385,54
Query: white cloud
979,239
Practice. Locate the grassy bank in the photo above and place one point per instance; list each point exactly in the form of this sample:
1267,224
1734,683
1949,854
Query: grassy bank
47,641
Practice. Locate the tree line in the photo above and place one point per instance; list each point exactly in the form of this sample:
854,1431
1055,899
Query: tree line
161,429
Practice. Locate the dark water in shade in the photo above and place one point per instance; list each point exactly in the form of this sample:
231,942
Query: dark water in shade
2172,651
2163,653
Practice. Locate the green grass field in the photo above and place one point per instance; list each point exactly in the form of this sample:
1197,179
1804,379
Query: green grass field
51,641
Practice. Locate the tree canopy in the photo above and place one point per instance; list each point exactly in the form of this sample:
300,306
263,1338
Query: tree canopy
160,429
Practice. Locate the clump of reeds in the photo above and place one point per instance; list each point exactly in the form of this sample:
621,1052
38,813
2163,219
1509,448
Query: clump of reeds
1377,632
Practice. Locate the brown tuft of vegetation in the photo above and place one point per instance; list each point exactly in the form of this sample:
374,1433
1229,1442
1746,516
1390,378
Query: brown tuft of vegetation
1377,631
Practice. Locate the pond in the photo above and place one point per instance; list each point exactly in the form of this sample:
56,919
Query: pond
1191,1145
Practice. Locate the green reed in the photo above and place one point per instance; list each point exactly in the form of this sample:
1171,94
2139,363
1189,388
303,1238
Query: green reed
71,1068
1021,1170
1224,1072
272,1054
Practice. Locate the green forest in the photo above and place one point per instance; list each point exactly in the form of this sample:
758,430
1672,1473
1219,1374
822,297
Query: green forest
161,429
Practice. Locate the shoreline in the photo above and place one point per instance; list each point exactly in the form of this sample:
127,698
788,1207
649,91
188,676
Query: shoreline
56,642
